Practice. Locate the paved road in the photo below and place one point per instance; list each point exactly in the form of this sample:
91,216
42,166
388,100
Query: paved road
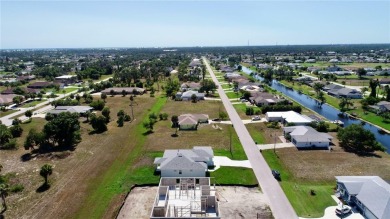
7,120
280,206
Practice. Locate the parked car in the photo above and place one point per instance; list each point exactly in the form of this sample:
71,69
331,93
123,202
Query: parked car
343,210
244,100
256,118
276,174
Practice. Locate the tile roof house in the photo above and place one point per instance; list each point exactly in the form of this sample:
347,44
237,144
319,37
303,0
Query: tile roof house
370,194
185,162
191,121
307,137
264,99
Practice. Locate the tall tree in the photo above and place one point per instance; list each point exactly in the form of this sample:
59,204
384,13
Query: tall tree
63,130
103,96
208,85
28,114
356,138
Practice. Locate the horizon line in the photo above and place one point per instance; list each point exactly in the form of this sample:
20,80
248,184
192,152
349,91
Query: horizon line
163,47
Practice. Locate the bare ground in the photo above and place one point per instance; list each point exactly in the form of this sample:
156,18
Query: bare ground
234,202
74,175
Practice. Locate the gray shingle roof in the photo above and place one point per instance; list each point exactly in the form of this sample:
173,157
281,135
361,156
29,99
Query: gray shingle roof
185,158
372,191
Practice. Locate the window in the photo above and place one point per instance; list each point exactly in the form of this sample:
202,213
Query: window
179,171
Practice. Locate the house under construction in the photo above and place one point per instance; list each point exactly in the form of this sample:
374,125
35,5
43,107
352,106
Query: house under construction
189,197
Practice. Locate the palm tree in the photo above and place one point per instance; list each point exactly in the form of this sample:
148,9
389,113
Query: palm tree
46,170
321,98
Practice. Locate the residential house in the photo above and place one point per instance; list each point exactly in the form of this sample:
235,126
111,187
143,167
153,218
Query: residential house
40,85
66,79
189,86
185,162
26,78
7,99
263,99
307,137
340,91
82,110
23,89
231,76
381,107
288,117
384,81
195,63
369,194
185,197
119,90
191,121
346,93
188,95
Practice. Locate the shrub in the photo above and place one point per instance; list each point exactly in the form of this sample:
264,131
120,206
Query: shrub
97,104
16,131
11,145
16,188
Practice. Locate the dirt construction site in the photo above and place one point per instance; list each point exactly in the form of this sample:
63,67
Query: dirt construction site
235,202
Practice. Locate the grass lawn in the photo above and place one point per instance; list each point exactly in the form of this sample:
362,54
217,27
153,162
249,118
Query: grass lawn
234,176
135,168
5,113
302,171
226,86
32,103
241,109
257,132
232,95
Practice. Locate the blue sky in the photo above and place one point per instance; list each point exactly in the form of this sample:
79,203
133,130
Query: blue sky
78,24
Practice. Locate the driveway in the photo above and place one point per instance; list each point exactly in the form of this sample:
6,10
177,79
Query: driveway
227,162
272,146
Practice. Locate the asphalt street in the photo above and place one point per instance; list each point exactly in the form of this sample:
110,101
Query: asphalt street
279,204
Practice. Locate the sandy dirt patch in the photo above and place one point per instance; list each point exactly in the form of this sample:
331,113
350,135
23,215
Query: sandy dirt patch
235,202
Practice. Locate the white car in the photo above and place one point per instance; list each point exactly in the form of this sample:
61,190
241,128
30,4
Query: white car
343,210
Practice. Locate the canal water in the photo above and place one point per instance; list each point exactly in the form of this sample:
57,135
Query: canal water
326,111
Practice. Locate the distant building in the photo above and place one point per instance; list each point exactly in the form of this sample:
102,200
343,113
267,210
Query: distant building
66,79
7,99
82,110
40,85
119,90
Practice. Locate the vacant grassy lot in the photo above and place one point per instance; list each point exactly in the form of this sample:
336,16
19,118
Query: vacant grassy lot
302,171
234,175
261,134
206,135
92,178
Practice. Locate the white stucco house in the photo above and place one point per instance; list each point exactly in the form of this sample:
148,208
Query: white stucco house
307,137
370,195
185,162
188,95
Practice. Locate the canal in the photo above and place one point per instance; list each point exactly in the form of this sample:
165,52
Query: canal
326,110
